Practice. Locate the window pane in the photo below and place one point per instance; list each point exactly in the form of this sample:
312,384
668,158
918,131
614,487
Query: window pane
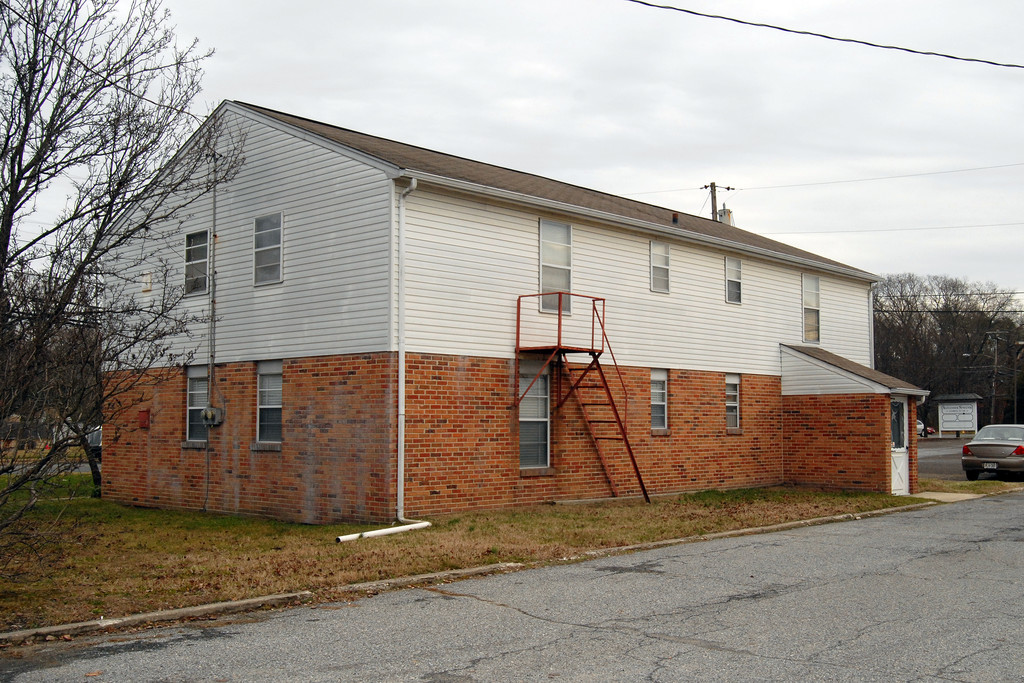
556,254
535,405
270,424
811,327
197,431
733,268
268,239
659,420
555,279
733,292
899,437
555,232
533,444
270,390
659,279
268,223
732,416
197,392
195,277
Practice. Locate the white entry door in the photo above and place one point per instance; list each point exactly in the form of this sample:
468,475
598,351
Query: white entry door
900,447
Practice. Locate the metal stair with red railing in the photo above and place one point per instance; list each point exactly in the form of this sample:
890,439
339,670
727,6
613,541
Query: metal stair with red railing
606,423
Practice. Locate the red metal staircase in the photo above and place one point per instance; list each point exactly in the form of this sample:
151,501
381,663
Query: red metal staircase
604,413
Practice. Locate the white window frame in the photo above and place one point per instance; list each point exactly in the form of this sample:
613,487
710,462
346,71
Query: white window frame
732,401
535,408
265,247
269,398
194,263
811,291
733,276
197,399
659,399
548,248
661,271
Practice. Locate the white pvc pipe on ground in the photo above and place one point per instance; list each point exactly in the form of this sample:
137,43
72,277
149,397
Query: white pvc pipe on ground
383,532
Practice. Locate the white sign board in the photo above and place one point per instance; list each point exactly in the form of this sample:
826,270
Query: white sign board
958,417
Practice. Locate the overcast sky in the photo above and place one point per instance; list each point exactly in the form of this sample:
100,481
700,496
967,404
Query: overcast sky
653,104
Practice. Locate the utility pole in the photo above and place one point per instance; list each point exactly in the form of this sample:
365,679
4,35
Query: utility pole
714,199
994,336
1016,386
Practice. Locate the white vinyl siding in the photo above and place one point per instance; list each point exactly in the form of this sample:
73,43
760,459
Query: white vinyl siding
468,260
660,268
555,264
802,375
266,249
337,293
733,280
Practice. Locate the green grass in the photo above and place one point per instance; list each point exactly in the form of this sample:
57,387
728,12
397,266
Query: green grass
120,560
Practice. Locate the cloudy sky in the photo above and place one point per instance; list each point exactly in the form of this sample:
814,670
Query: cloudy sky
887,161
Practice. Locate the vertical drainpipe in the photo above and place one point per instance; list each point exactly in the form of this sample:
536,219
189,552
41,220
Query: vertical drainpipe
400,513
871,324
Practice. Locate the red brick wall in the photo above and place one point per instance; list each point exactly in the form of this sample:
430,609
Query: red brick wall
334,463
462,447
338,457
842,441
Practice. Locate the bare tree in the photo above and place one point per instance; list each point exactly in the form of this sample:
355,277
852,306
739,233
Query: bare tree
949,336
99,147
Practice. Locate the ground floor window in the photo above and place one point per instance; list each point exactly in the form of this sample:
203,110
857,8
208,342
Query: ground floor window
534,425
268,411
659,399
198,399
732,401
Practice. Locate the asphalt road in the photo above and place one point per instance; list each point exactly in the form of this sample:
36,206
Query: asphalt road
932,594
940,458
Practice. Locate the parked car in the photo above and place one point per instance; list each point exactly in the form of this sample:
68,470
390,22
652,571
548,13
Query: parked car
920,428
995,448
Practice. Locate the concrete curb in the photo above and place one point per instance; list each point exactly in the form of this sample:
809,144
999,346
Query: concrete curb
370,587
234,606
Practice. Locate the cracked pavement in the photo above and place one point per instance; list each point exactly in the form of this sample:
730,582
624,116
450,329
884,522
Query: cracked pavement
932,594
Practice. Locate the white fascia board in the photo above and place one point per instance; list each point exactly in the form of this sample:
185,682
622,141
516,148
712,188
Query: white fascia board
392,171
635,224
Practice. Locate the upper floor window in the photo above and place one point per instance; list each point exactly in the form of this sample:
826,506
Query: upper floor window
659,267
196,262
733,280
555,264
659,399
732,401
267,249
812,304
268,401
198,398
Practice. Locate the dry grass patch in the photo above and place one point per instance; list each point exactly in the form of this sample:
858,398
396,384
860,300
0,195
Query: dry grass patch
121,560
981,486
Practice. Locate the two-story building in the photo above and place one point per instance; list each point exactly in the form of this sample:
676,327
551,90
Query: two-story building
382,349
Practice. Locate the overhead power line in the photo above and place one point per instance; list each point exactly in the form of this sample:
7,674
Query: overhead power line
848,180
853,231
854,41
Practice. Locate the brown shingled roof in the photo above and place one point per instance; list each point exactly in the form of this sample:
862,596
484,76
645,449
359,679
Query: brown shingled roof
410,157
